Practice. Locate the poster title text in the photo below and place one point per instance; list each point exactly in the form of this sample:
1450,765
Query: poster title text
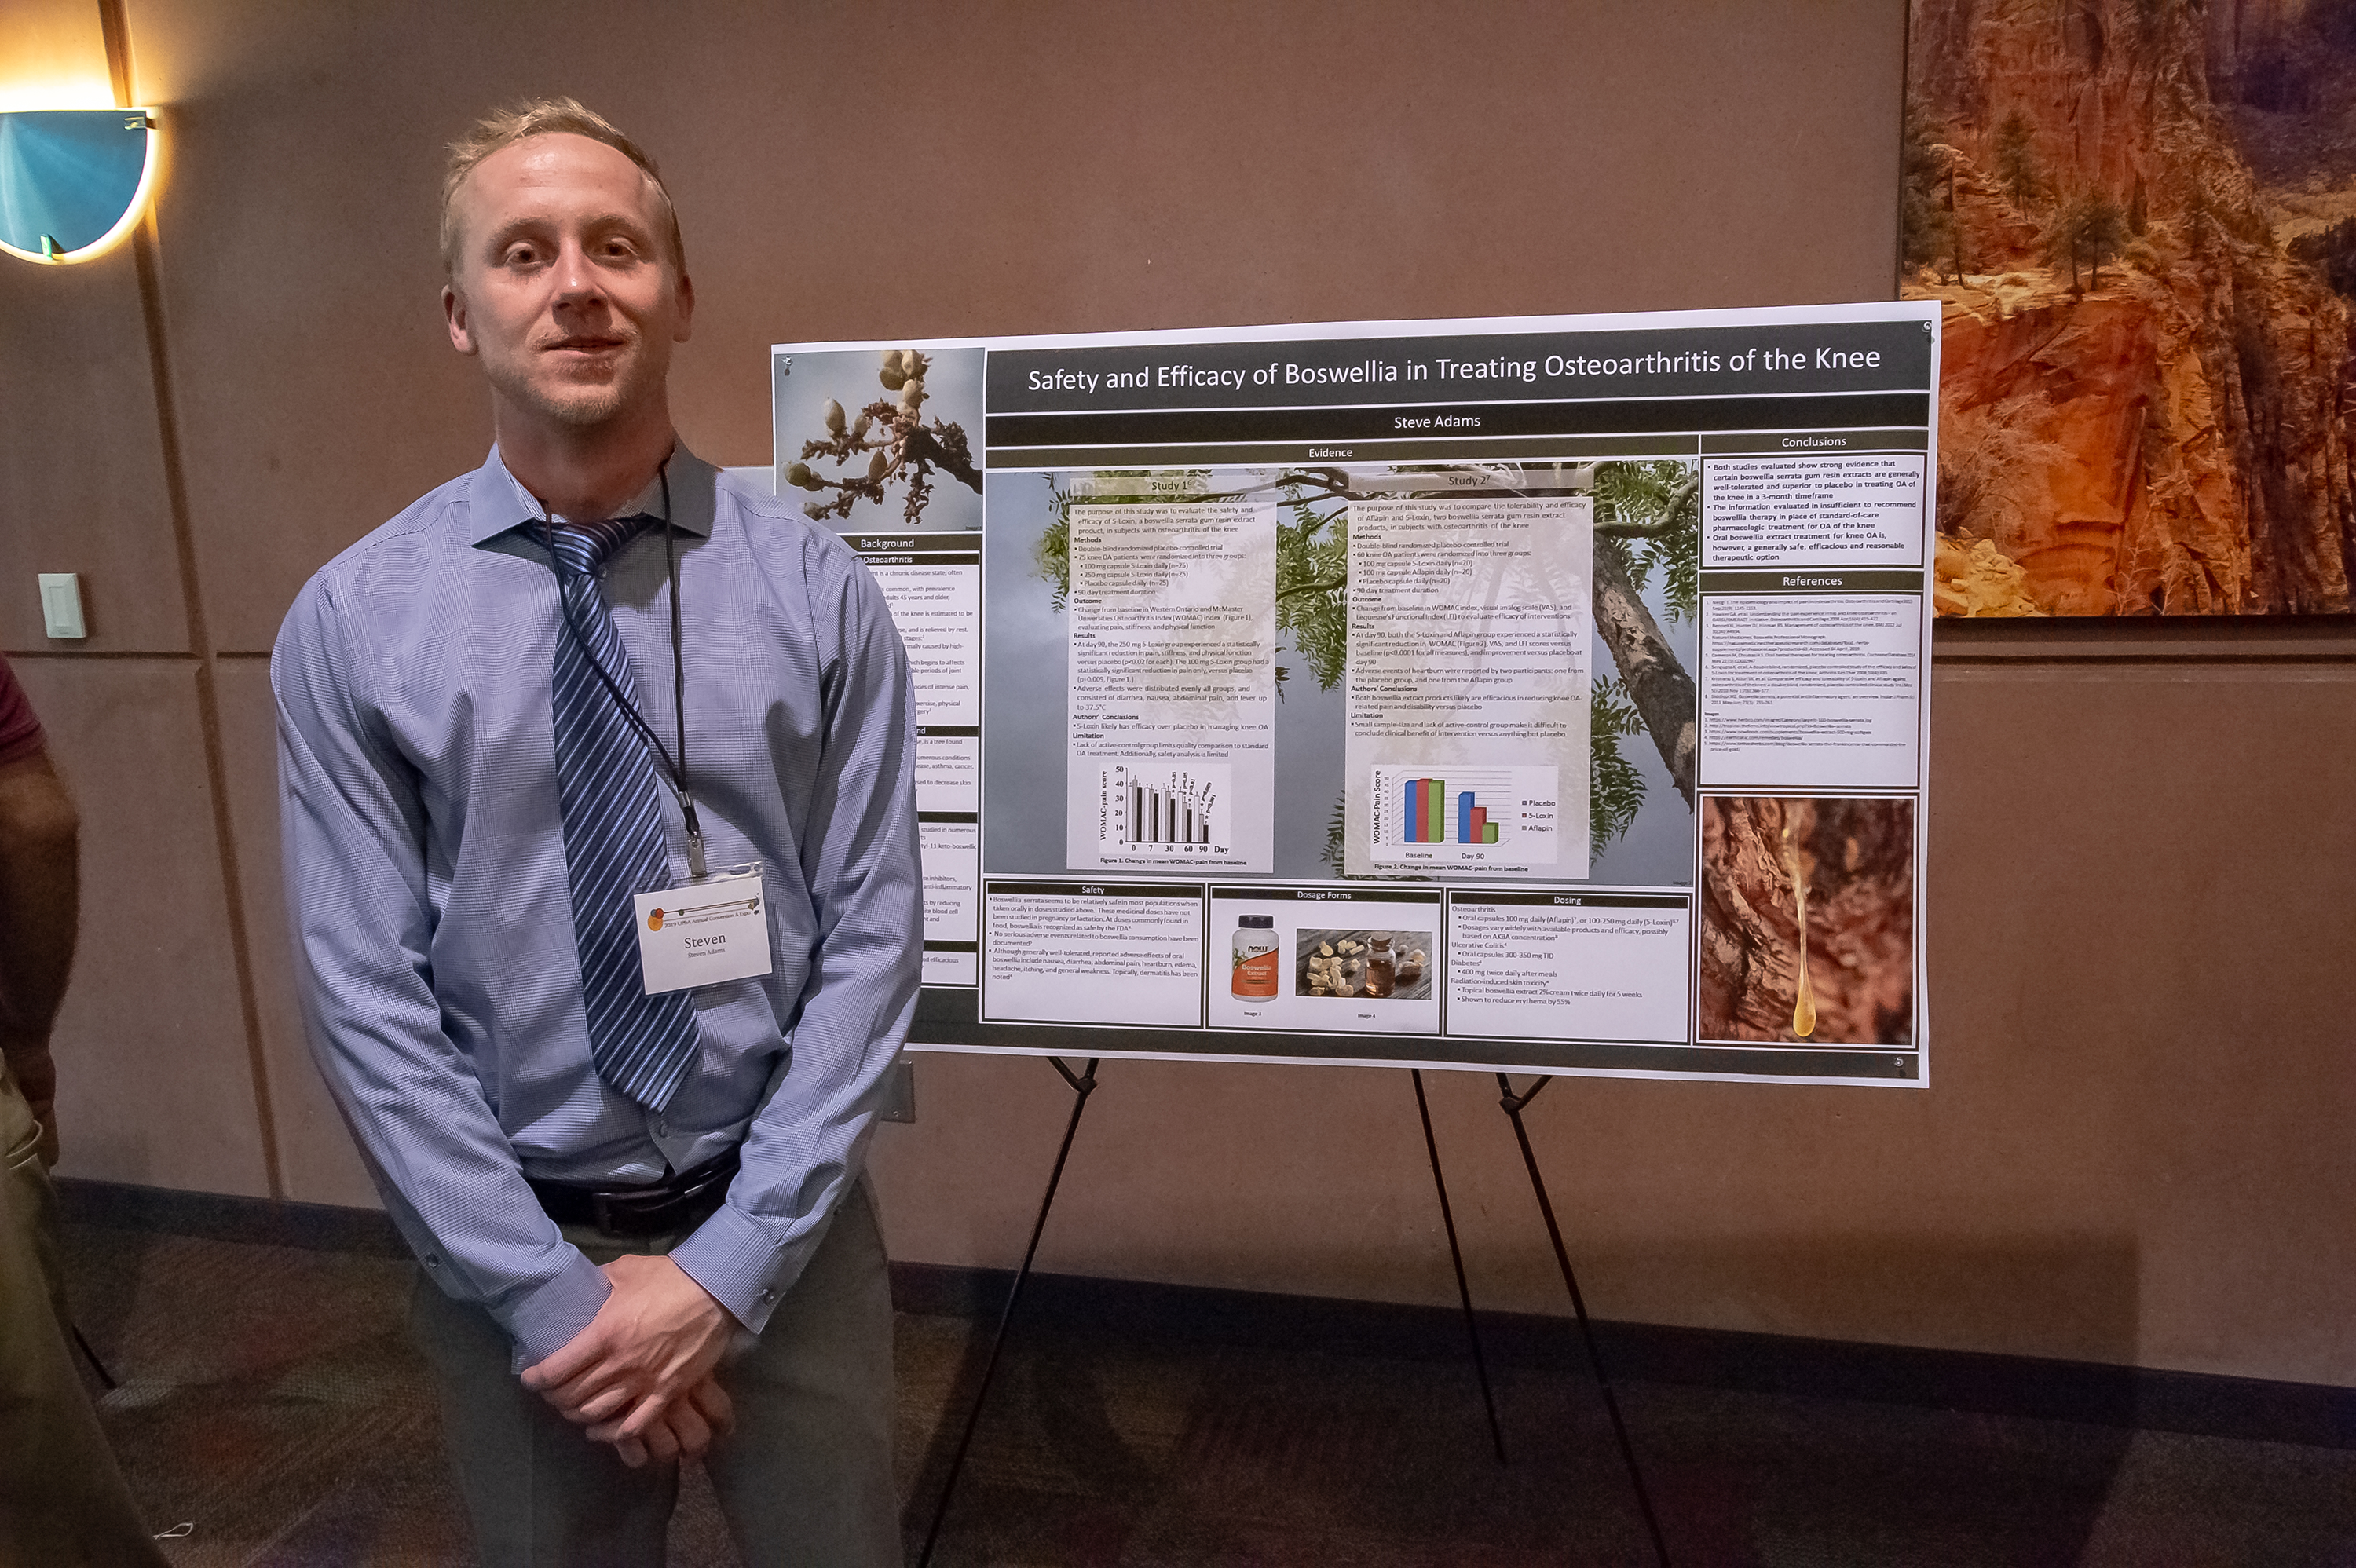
1366,372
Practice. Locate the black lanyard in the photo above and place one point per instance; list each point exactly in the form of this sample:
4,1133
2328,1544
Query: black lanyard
675,772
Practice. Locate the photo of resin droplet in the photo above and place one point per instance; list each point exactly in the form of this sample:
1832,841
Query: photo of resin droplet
1807,921
1804,1006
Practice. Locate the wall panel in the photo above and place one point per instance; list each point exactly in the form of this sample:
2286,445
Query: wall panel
317,1161
2159,881
156,1084
948,168
54,56
2134,1149
82,471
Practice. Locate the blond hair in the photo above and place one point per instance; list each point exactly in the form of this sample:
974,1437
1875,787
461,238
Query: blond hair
543,117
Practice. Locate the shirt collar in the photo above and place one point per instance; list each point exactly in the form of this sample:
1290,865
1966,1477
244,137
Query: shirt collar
499,503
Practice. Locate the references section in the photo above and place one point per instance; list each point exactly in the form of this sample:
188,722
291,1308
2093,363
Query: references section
1811,690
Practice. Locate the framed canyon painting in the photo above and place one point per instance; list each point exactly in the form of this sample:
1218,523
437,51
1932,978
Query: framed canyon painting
2140,217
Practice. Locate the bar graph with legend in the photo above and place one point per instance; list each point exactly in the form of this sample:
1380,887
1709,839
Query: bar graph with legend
1470,815
1429,818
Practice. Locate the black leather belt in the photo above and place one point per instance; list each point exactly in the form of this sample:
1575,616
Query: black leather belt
672,1204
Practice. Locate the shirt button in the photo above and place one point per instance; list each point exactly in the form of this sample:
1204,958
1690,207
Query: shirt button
767,1296
433,1260
662,1127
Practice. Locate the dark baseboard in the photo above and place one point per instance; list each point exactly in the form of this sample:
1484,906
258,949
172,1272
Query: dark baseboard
225,1217
1081,1308
1084,1309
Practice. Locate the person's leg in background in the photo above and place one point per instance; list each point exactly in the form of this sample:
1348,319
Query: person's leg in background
63,1503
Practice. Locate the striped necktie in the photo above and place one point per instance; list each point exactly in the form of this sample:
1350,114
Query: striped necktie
643,1047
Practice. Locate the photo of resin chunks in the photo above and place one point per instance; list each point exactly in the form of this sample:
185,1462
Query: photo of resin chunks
1362,964
1807,920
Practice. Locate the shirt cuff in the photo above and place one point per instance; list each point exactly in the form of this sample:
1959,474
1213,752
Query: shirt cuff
733,1258
544,1319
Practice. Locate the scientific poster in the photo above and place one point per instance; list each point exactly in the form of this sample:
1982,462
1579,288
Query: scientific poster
1511,694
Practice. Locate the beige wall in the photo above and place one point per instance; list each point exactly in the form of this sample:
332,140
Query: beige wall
2136,1147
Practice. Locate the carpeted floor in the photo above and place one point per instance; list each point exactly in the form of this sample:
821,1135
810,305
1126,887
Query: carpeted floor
270,1399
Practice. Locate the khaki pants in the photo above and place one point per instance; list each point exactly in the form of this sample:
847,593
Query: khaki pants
806,1479
62,1500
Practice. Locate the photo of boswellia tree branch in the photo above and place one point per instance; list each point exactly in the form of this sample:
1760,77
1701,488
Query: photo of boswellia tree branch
1647,546
2141,217
880,439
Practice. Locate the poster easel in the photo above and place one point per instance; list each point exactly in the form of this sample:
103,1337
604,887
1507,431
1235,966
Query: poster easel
1083,1083
1479,563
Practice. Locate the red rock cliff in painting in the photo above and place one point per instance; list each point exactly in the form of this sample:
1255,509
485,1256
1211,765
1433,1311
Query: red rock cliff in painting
2146,390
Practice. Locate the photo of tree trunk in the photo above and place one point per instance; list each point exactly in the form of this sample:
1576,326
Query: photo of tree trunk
1807,920
1647,552
2140,216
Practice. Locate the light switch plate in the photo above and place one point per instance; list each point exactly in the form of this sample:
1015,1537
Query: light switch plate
61,604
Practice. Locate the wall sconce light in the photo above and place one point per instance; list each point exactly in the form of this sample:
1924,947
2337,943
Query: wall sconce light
72,181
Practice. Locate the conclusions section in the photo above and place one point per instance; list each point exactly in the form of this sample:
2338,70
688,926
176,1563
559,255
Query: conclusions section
1093,952
1600,967
1817,509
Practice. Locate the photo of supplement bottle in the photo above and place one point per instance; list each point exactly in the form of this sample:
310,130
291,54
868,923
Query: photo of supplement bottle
1258,956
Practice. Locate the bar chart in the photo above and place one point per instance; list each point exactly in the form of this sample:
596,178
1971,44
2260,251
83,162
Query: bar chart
1177,808
1465,815
1427,818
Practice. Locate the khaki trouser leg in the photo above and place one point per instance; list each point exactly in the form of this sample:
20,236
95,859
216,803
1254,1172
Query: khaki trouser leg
62,1500
539,1492
806,1479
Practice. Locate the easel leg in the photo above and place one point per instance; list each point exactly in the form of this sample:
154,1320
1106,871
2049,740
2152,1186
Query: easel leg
1514,1104
1083,1084
96,1364
1456,1257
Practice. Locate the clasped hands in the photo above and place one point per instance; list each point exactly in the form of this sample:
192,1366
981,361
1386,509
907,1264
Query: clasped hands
640,1376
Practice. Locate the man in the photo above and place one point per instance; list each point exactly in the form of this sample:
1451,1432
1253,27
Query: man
638,1209
62,1500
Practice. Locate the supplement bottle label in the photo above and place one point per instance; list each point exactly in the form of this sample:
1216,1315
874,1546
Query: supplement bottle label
1255,972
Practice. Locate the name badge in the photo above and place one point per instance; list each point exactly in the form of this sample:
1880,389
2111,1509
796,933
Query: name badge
703,933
